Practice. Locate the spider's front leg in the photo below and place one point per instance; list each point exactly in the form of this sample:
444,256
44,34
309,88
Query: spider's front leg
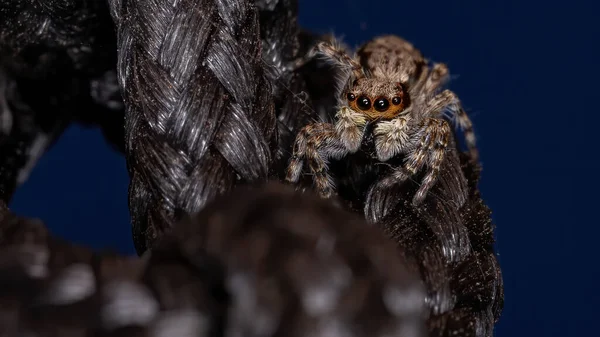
449,100
467,128
338,56
430,152
318,143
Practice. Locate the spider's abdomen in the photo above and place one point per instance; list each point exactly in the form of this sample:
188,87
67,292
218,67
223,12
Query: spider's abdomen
391,55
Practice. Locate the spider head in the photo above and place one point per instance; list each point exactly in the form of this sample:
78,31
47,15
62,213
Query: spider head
376,98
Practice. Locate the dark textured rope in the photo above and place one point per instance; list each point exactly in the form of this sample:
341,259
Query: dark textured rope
38,34
300,266
283,53
451,237
199,114
18,133
54,57
72,38
259,262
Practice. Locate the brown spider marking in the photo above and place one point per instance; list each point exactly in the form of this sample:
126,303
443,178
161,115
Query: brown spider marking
388,84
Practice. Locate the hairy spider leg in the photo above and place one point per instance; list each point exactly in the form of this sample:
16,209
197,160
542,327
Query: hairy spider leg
437,77
391,138
440,133
317,143
340,58
417,85
435,141
350,127
467,127
294,169
435,136
464,122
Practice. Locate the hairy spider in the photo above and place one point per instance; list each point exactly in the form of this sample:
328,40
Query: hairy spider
390,86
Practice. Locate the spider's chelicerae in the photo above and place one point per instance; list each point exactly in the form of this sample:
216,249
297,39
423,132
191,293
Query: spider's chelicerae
390,85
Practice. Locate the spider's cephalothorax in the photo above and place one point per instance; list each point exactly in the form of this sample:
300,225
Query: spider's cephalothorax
390,85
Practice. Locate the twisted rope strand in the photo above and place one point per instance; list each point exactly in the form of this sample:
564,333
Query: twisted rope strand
200,116
281,49
454,247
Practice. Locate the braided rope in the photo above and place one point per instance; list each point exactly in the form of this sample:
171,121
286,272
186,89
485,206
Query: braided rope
199,115
451,237
282,51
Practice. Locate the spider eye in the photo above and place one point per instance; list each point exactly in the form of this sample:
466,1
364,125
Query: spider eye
396,100
363,103
381,104
351,97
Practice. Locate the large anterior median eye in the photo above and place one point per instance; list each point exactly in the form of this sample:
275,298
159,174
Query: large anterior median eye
381,104
363,103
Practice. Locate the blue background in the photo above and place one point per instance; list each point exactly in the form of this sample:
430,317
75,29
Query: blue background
526,72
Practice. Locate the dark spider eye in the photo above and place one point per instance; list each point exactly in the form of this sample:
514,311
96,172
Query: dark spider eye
381,104
351,97
396,100
363,103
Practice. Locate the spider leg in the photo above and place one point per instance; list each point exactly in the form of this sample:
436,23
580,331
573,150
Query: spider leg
434,138
440,137
446,99
416,87
391,138
316,143
340,58
467,126
350,127
417,158
299,153
437,77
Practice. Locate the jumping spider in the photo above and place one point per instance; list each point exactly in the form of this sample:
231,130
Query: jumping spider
389,85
